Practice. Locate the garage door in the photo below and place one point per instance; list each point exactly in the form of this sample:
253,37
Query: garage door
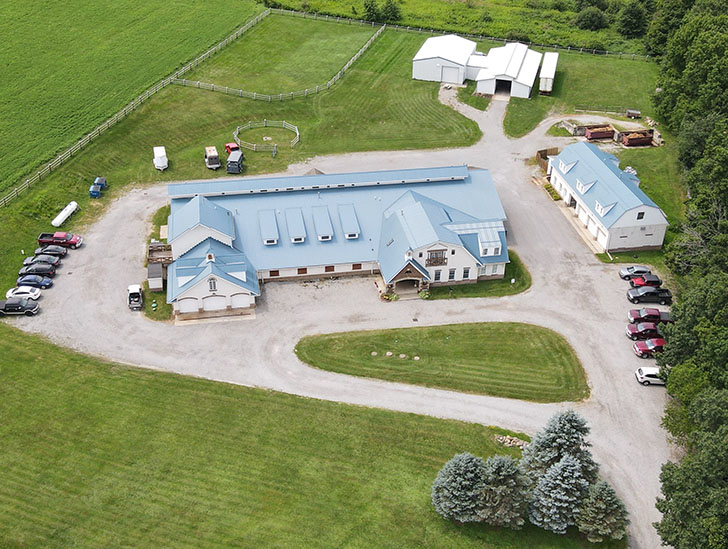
188,305
451,74
592,226
213,303
241,301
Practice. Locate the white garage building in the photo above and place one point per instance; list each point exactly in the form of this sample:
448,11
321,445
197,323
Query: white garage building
443,59
512,67
607,200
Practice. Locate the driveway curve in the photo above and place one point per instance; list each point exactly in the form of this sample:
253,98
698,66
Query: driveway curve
572,293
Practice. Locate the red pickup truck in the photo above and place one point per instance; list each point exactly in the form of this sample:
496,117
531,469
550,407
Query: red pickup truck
67,240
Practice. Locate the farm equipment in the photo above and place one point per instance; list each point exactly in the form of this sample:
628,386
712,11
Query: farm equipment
212,159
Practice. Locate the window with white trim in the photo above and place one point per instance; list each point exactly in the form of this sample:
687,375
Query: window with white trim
599,208
438,273
212,284
451,274
496,251
466,272
580,186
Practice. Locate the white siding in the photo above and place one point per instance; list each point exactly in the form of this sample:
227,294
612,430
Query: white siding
520,90
188,240
486,87
434,69
460,260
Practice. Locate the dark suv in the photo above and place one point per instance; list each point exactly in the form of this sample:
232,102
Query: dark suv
38,269
19,306
650,294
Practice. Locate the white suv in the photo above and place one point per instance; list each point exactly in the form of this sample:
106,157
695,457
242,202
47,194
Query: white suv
648,375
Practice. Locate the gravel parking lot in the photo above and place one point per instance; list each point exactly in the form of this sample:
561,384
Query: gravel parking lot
572,293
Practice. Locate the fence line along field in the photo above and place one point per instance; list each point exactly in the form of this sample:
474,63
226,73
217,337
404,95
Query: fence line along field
65,72
305,53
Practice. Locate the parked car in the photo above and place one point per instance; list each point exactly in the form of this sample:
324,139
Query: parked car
648,314
36,281
59,238
60,251
43,258
39,269
648,375
23,291
643,330
627,273
650,294
646,280
648,347
230,147
160,158
19,306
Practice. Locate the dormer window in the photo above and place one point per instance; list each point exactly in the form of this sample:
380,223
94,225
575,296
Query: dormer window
496,251
298,239
271,242
324,237
212,284
210,257
599,208
580,186
564,167
352,236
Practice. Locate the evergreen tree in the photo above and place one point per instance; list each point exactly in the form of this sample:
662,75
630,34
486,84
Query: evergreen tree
506,493
558,495
457,490
632,20
564,435
391,12
371,10
602,514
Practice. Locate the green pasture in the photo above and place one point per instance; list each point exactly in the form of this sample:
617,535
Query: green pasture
588,80
376,106
515,270
100,454
284,54
502,359
532,20
68,67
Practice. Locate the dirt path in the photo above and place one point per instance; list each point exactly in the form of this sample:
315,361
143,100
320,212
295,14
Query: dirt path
572,293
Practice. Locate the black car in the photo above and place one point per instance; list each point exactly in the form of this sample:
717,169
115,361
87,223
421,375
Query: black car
628,273
38,269
19,306
43,258
51,250
650,294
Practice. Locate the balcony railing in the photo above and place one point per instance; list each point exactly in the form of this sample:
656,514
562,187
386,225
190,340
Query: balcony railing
435,261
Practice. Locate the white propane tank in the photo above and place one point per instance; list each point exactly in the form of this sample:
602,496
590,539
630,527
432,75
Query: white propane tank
65,214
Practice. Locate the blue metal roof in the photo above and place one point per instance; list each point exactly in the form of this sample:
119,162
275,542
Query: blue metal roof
440,195
201,211
602,180
193,266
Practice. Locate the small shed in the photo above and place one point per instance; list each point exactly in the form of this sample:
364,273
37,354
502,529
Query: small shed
548,72
154,277
443,59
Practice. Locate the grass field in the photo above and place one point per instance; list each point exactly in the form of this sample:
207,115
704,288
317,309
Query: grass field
377,106
305,53
502,359
490,288
99,454
533,20
585,80
465,95
68,70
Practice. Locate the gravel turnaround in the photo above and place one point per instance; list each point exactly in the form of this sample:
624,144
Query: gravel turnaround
572,293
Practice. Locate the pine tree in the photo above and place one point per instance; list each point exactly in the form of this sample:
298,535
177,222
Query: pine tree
558,495
564,435
602,514
457,490
506,493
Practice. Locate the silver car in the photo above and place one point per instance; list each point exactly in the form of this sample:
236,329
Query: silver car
633,271
648,375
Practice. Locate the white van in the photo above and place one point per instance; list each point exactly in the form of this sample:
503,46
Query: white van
160,158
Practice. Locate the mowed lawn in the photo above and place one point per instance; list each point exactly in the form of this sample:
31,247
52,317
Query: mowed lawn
502,359
97,454
284,54
376,106
67,67
585,80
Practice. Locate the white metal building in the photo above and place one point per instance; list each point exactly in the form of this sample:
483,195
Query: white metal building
443,59
512,67
548,72
607,200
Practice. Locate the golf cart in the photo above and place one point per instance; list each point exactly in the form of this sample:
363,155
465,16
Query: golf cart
135,297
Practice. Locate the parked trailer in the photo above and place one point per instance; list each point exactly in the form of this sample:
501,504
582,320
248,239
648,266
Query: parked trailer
548,72
638,138
65,214
599,132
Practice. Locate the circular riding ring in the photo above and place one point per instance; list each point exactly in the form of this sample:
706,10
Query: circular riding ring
266,124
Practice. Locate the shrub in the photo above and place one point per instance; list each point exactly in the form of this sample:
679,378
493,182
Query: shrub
485,17
559,5
632,20
391,12
583,4
371,10
518,36
591,18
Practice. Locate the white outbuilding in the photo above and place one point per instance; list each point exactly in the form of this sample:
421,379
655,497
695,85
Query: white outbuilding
443,59
548,72
511,68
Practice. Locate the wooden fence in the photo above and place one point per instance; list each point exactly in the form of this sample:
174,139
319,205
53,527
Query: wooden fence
266,124
88,138
284,95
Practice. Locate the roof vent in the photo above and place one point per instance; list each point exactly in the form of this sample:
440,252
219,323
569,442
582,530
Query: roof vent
210,257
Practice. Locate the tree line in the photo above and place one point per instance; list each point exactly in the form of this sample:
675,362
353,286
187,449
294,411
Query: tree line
691,39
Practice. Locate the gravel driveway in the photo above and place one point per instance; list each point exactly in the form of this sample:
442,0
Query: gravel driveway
572,293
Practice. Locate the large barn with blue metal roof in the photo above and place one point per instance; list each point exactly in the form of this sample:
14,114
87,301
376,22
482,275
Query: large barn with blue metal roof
608,201
416,228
